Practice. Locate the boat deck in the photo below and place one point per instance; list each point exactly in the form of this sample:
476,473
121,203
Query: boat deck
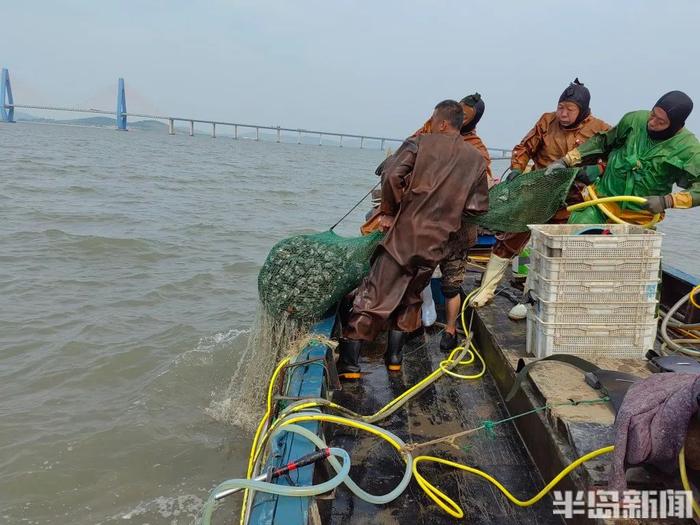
520,453
558,436
572,430
448,406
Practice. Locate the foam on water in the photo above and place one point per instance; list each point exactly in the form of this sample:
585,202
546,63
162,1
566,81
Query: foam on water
205,350
270,340
210,342
178,509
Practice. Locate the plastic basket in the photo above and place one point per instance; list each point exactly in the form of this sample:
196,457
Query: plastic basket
625,341
595,292
591,269
595,314
624,241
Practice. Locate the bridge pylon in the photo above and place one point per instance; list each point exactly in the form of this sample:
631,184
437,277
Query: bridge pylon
6,114
121,105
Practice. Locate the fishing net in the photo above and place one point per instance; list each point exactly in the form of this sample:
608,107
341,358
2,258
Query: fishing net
271,339
531,198
301,279
305,275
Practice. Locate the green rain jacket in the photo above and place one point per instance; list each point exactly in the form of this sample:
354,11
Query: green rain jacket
638,165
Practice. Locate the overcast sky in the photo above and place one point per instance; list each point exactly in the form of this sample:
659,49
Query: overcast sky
373,67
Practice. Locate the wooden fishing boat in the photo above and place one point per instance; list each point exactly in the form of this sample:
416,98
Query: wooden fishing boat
523,454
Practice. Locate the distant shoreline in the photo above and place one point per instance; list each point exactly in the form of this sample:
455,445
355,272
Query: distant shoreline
92,122
154,126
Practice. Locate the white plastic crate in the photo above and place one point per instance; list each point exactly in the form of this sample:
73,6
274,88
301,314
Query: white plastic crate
625,341
592,269
625,240
595,314
595,292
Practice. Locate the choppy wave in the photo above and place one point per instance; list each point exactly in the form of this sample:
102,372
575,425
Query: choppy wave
242,267
95,244
81,189
57,242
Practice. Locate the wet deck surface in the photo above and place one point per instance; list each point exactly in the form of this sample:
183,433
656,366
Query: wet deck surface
555,437
574,430
448,406
583,428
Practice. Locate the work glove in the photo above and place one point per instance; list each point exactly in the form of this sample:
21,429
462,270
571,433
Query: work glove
658,203
559,164
513,174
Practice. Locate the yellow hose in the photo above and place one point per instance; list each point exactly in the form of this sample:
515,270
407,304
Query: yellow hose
694,292
442,368
684,480
441,499
339,420
453,509
252,458
257,446
448,504
596,201
600,202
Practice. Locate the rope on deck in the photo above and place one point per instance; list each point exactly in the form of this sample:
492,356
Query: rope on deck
489,425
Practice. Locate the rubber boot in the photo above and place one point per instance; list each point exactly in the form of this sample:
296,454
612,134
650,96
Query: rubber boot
448,342
348,364
519,311
394,347
495,270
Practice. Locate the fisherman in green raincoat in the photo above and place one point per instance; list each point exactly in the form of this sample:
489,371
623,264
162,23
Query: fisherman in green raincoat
647,153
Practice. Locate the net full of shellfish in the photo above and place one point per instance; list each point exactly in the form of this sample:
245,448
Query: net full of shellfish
305,275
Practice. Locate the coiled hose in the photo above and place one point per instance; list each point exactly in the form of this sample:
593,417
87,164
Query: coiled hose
264,429
675,345
600,202
284,490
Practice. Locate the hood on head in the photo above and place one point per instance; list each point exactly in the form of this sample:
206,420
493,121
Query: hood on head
579,95
474,111
678,107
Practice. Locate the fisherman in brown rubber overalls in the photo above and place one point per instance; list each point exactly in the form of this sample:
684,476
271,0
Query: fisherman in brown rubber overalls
428,184
454,267
554,133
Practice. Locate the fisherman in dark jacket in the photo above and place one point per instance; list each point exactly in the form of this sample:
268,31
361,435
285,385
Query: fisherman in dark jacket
430,183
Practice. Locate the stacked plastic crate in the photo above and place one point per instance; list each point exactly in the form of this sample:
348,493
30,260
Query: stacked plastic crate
594,290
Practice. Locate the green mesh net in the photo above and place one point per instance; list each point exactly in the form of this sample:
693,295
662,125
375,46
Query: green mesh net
304,276
531,198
